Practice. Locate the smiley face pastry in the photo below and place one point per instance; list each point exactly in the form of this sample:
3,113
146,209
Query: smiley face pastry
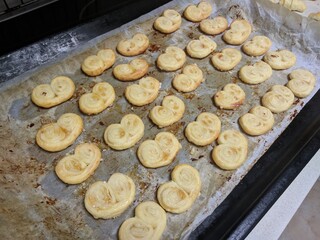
255,73
136,45
204,130
278,99
149,223
301,83
231,97
227,59
232,150
201,48
257,46
197,13
169,22
126,134
54,137
214,26
58,91
172,59
143,93
76,168
171,111
159,152
109,199
101,97
238,33
190,78
294,5
178,195
258,121
280,59
131,71
95,65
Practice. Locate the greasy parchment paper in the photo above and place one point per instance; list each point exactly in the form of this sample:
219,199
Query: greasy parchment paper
35,203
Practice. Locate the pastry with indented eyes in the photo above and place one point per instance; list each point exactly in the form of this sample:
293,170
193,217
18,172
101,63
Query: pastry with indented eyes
232,150
149,223
179,194
204,130
159,152
214,26
171,111
126,134
57,136
109,199
131,71
197,13
280,59
231,97
172,59
76,168
227,59
301,83
60,90
257,46
101,97
255,73
95,65
294,5
238,33
169,22
201,48
258,121
133,46
278,99
190,78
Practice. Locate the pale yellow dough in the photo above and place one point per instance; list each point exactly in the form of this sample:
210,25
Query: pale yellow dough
294,5
60,90
257,46
201,48
57,136
172,59
126,134
159,152
278,99
77,167
149,223
190,78
227,59
179,194
301,82
109,199
231,97
256,73
197,13
169,22
314,16
214,26
204,130
280,60
133,46
101,97
133,70
238,33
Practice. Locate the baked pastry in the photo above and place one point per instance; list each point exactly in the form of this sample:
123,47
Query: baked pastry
190,78
255,73
201,48
95,65
159,152
232,150
149,223
238,33
179,194
258,121
280,59
231,97
60,90
109,199
257,46
294,5
227,59
171,111
54,137
197,13
204,130
143,93
214,26
126,134
77,167
133,70
314,16
101,97
169,22
278,99
301,83
133,46
172,59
